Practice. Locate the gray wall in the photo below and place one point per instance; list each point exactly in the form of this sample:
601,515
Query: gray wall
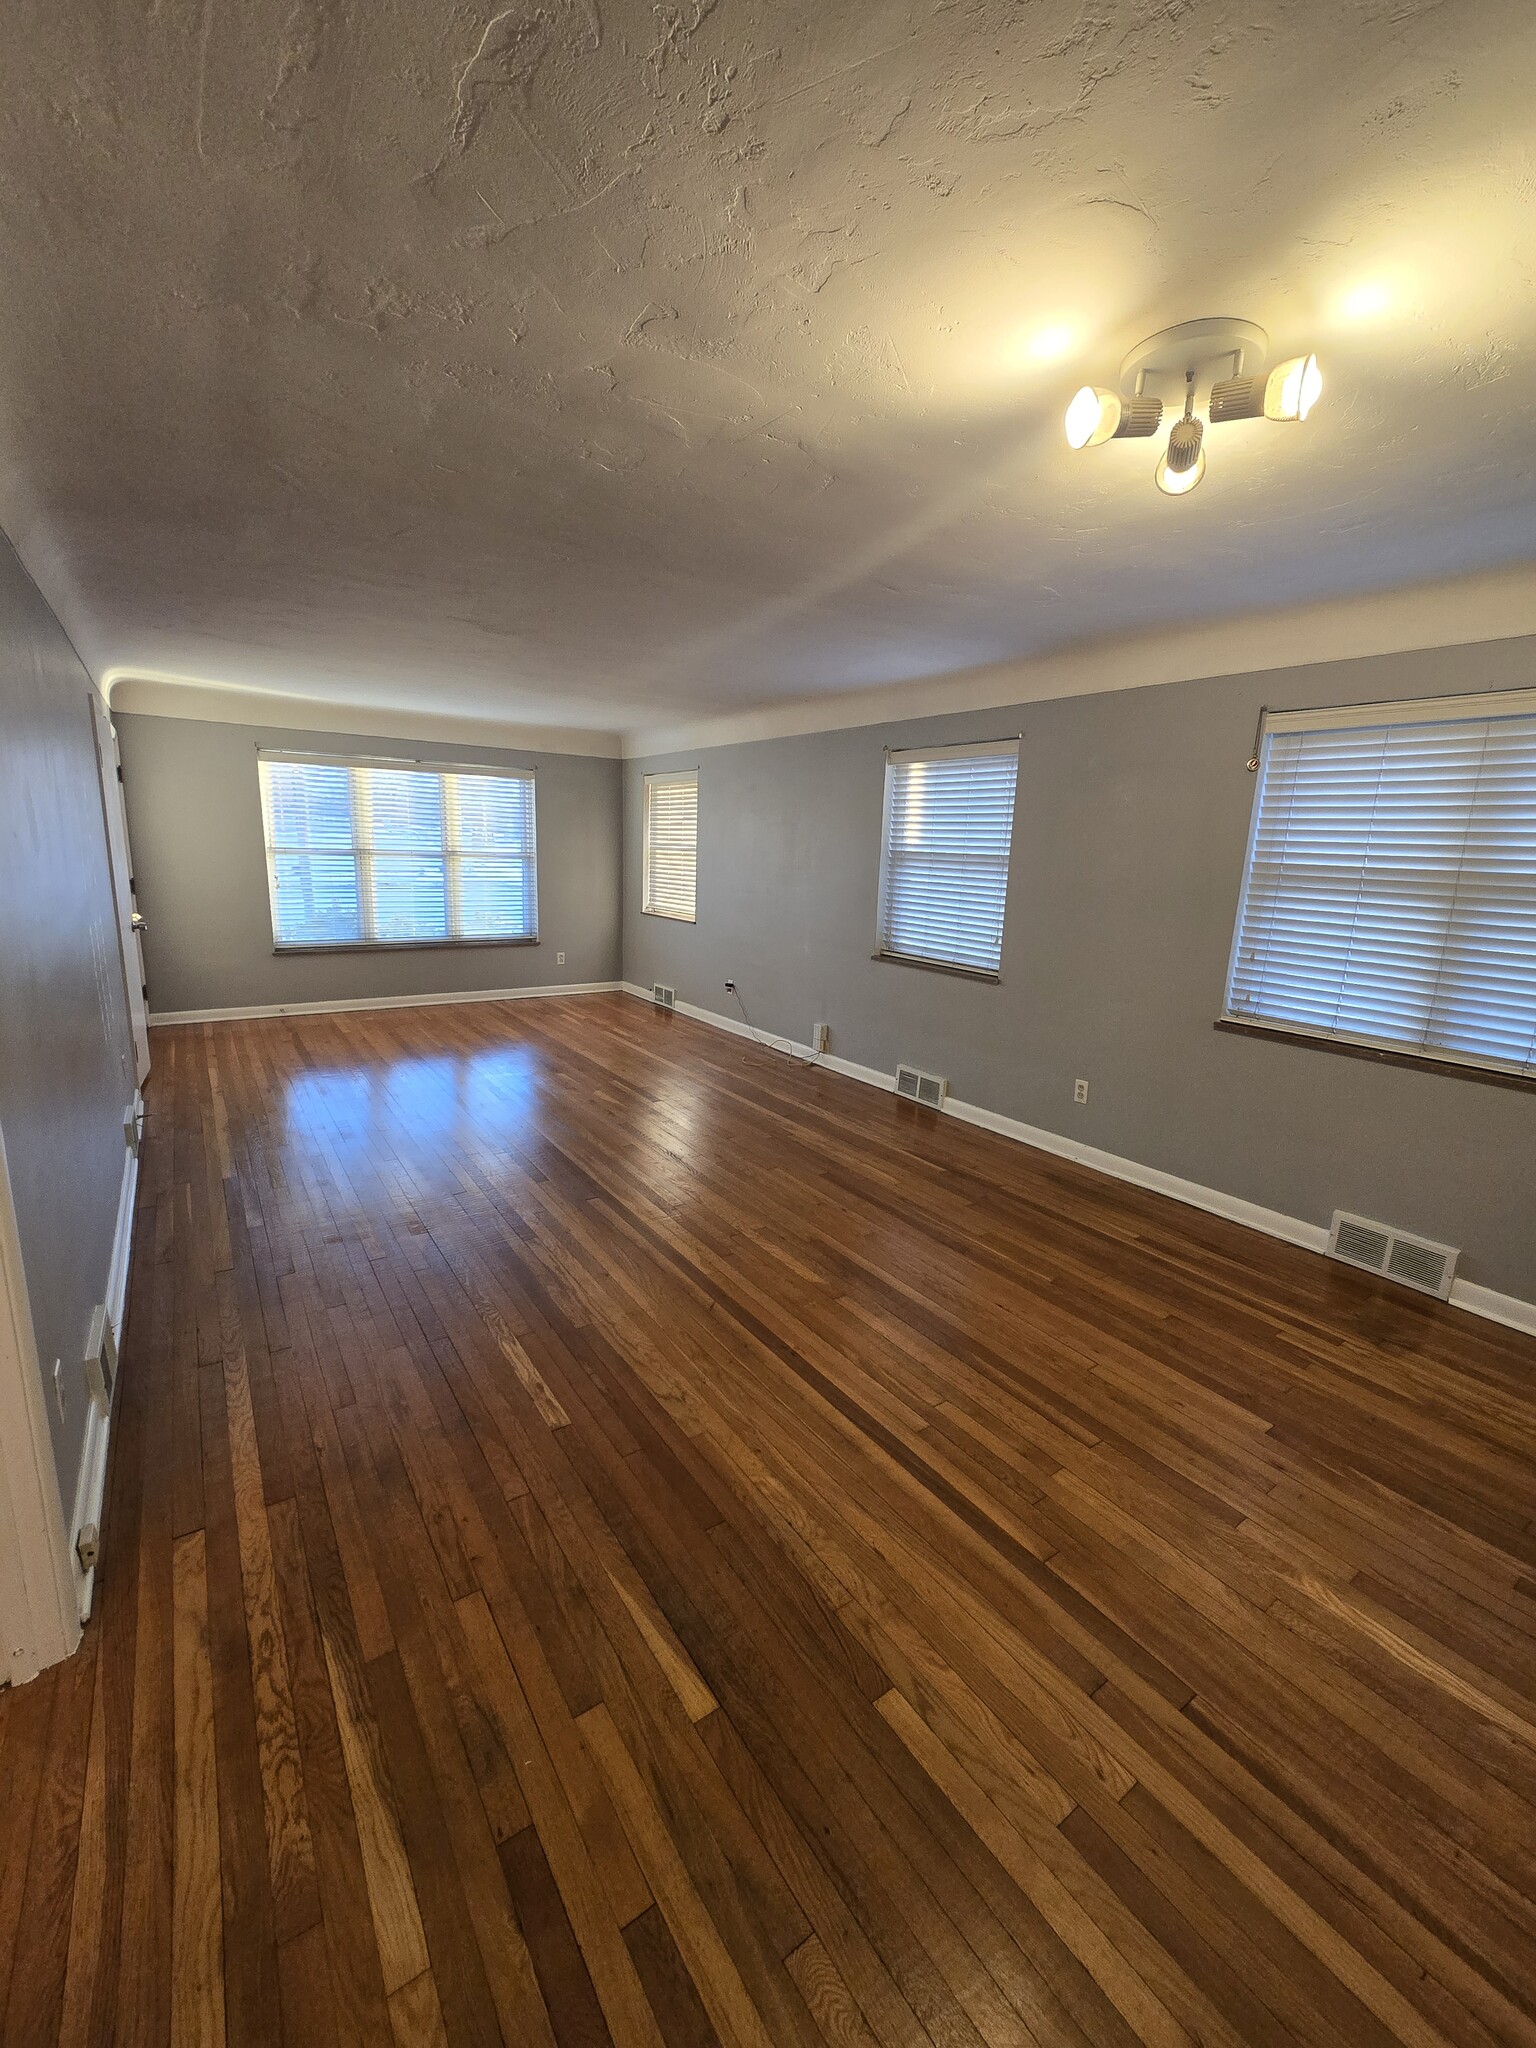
194,818
66,1062
1129,837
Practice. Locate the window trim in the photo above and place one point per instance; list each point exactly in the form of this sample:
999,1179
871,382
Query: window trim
957,750
1402,711
991,974
1379,1051
647,907
1426,711
442,769
390,945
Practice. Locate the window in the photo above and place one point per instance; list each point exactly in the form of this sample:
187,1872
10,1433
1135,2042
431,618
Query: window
393,853
944,870
671,845
1390,893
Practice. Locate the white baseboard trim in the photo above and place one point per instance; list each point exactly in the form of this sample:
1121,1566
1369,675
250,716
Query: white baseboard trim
1273,1222
116,1296
467,995
91,1482
1498,1308
90,1492
1508,1309
770,1039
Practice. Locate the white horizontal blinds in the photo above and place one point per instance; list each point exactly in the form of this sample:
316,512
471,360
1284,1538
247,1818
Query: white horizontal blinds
672,845
493,858
311,854
948,830
378,853
399,815
1391,887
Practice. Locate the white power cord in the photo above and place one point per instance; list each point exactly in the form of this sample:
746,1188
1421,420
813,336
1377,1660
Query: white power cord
770,1044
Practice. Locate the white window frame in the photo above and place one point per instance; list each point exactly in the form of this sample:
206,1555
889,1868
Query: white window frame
895,759
648,904
452,853
1346,717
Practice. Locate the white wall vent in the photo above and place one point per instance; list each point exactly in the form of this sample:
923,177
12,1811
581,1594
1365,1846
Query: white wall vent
1415,1261
663,997
928,1089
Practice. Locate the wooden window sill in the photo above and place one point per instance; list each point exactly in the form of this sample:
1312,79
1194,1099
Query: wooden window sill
939,967
1356,1049
395,945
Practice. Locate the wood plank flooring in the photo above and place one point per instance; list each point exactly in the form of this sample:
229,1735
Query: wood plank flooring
614,1537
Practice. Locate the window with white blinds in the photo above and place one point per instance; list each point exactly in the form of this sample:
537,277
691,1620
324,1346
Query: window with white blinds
944,867
393,853
671,840
1390,893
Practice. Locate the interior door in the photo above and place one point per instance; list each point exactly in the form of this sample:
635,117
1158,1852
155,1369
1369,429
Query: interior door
129,923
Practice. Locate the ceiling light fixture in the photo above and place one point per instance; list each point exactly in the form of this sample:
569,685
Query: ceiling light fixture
1150,374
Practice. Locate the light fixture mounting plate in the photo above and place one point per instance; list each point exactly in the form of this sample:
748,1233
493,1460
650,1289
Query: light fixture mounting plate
1159,365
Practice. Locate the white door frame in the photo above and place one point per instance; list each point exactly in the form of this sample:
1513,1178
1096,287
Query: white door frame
120,860
39,1612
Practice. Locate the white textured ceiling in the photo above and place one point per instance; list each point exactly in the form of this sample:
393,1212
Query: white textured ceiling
605,362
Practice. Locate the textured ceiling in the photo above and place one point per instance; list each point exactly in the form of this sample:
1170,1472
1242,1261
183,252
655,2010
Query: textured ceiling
598,361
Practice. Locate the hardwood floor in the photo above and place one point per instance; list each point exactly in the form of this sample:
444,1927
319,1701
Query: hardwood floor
614,1537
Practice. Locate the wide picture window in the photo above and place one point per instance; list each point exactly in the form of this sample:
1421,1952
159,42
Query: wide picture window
397,853
1389,899
944,862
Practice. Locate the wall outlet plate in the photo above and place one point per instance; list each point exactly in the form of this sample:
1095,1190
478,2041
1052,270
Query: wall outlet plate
821,1037
559,959
1079,1091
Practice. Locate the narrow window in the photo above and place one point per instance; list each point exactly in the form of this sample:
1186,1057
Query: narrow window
944,864
671,846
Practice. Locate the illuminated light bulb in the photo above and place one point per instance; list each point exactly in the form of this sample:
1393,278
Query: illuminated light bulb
1092,417
1176,482
1292,389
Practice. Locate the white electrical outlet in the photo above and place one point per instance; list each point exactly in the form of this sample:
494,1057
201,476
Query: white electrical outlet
1079,1091
559,959
821,1037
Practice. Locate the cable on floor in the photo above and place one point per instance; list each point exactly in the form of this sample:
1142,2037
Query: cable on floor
770,1044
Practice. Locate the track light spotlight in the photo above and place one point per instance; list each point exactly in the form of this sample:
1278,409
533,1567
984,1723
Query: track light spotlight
1096,415
1287,392
1183,465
